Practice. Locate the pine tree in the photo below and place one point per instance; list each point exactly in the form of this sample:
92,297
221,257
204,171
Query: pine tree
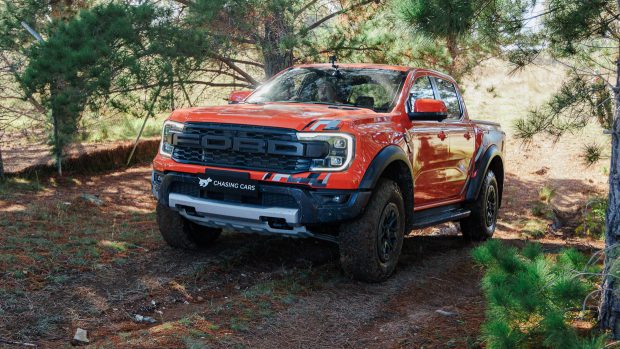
276,33
531,297
470,30
584,35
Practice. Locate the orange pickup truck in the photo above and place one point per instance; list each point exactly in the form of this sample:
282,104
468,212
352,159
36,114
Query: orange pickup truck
357,154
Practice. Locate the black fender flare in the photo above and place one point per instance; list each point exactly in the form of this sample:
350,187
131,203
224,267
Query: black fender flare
383,159
481,168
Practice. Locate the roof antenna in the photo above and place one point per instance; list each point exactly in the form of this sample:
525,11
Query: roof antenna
332,60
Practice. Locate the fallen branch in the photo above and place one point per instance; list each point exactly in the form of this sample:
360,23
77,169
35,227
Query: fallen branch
24,344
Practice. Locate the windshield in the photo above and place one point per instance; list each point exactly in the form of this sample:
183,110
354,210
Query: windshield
375,89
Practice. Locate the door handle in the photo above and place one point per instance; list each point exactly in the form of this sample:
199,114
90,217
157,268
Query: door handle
442,135
467,136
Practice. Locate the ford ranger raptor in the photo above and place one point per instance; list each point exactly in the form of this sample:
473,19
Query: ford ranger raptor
357,154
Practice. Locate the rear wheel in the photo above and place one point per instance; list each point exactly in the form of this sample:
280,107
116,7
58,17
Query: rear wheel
179,232
370,245
481,224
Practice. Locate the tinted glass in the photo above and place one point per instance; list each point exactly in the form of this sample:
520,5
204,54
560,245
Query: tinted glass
366,88
422,88
447,93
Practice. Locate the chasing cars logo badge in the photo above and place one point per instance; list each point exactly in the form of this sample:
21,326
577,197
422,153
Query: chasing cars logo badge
232,186
203,183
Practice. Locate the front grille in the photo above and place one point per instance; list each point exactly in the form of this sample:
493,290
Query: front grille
230,158
264,199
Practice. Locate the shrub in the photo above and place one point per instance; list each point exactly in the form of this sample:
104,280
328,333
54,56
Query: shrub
545,194
532,298
535,228
593,223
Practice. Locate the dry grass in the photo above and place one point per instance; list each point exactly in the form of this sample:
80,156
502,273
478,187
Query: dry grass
495,92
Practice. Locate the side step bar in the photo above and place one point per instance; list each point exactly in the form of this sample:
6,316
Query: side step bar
431,217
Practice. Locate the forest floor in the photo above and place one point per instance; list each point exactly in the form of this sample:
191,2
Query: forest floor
67,263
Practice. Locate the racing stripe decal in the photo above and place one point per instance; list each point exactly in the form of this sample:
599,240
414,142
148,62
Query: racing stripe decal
322,125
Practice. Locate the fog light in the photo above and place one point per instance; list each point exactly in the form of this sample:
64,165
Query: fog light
334,199
339,199
336,160
340,143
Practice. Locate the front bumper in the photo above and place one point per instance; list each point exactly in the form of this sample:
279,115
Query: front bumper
299,214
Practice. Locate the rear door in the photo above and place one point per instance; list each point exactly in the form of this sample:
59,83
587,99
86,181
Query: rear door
460,132
431,151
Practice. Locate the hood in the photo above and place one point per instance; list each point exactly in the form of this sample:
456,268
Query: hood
286,115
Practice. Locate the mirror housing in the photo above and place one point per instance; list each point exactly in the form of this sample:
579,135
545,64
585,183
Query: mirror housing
428,109
238,96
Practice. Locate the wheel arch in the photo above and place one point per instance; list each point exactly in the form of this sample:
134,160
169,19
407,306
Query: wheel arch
491,160
392,162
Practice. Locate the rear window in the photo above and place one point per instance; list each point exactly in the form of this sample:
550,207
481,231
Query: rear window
448,94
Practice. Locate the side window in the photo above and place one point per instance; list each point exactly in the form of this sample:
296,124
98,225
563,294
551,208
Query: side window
447,93
422,88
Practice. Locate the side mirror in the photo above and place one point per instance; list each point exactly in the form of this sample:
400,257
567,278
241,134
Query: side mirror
238,96
428,109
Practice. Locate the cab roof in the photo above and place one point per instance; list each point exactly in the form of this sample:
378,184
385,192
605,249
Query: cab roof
356,65
375,66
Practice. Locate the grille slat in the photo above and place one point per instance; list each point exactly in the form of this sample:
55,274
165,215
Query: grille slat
237,159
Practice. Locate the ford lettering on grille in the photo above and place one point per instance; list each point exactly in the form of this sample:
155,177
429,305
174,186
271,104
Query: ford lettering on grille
251,145
245,147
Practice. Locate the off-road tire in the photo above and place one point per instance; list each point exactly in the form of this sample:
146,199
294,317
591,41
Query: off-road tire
178,232
359,239
481,223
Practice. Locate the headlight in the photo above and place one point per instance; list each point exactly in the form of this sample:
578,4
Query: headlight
170,127
340,154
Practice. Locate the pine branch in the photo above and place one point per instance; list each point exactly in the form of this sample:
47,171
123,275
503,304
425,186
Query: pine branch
217,84
240,61
30,98
334,14
304,8
231,64
222,72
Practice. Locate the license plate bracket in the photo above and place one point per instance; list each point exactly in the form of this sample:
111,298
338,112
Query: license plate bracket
232,183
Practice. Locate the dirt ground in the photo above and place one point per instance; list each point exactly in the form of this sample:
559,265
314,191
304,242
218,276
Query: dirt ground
66,263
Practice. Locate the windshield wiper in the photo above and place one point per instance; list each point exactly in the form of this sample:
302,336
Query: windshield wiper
332,103
344,105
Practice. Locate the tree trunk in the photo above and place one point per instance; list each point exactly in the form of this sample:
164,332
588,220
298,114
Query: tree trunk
57,145
609,309
276,56
451,43
1,167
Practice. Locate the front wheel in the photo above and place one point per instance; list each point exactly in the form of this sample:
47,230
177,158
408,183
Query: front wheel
481,223
371,244
179,232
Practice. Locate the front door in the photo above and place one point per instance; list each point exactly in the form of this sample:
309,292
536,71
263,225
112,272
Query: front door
431,152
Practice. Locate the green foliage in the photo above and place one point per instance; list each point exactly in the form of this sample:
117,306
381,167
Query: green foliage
281,32
441,18
580,99
592,153
570,21
535,228
470,30
86,58
593,224
532,298
584,36
545,194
